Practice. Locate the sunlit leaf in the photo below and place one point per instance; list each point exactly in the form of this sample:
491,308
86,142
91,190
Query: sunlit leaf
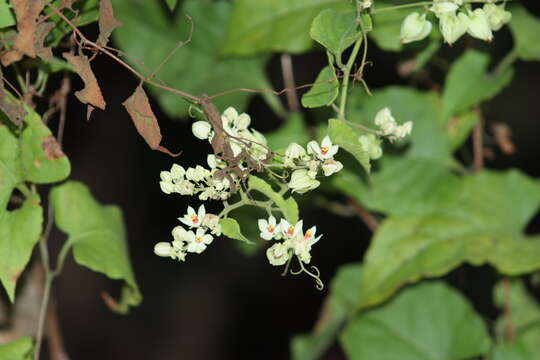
20,349
324,91
231,229
428,321
97,236
6,16
334,30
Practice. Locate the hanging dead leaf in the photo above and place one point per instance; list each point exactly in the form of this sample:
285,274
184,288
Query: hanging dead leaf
107,22
91,94
138,107
14,112
41,32
27,13
503,138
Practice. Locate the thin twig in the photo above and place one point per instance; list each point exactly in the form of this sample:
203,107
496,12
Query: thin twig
371,221
288,80
64,92
478,146
57,349
509,328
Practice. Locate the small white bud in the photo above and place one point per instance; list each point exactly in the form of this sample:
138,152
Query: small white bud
165,176
277,254
166,187
497,16
385,121
201,129
302,181
453,26
331,167
403,130
242,121
443,7
479,25
415,27
294,151
371,145
177,172
163,249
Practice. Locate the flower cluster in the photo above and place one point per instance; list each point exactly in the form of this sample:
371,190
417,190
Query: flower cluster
293,240
237,127
197,180
308,162
455,19
192,241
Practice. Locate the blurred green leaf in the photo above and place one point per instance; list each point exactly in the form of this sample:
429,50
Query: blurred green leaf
324,91
20,349
347,138
258,26
334,30
231,229
525,28
195,67
42,159
525,321
336,309
468,83
10,167
171,4
289,207
387,26
19,231
6,16
293,130
97,236
510,352
428,321
481,225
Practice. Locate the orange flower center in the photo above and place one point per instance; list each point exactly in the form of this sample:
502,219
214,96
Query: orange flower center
307,235
324,150
198,239
271,228
290,230
194,219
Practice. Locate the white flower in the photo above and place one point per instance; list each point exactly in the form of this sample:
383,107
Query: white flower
211,221
385,121
215,163
197,174
331,167
236,148
479,26
443,7
371,145
163,249
179,234
201,129
453,26
294,151
302,244
403,130
242,121
165,176
324,152
198,241
289,231
177,172
497,15
313,168
277,254
166,187
268,228
301,181
193,219
415,27
184,187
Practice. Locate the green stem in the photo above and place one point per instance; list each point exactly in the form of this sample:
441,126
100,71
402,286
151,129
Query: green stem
505,63
43,312
346,74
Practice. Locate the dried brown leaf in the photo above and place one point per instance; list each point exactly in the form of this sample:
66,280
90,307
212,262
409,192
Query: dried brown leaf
138,107
91,93
14,112
41,32
27,13
107,22
503,138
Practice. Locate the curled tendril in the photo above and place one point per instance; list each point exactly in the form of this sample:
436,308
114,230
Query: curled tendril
316,274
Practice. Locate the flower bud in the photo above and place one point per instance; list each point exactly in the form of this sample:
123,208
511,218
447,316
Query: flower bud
212,222
415,27
443,7
479,25
385,121
242,121
177,172
166,187
497,16
179,233
331,167
453,26
165,176
371,145
163,249
403,130
301,181
201,129
277,254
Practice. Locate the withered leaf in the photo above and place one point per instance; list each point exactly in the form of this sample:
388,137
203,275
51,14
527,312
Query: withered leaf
14,112
138,107
27,13
107,22
91,93
41,32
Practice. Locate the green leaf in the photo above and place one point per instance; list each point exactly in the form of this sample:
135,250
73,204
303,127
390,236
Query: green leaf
387,27
288,206
10,166
425,322
525,28
525,321
19,232
404,186
468,83
85,12
196,67
482,225
6,16
274,25
293,130
231,229
334,30
97,236
336,309
459,127
42,159
343,135
324,91
171,4
510,352
20,349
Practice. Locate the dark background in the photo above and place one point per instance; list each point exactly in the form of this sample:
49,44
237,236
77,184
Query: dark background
223,304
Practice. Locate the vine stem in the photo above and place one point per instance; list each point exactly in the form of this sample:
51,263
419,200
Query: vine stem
346,74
